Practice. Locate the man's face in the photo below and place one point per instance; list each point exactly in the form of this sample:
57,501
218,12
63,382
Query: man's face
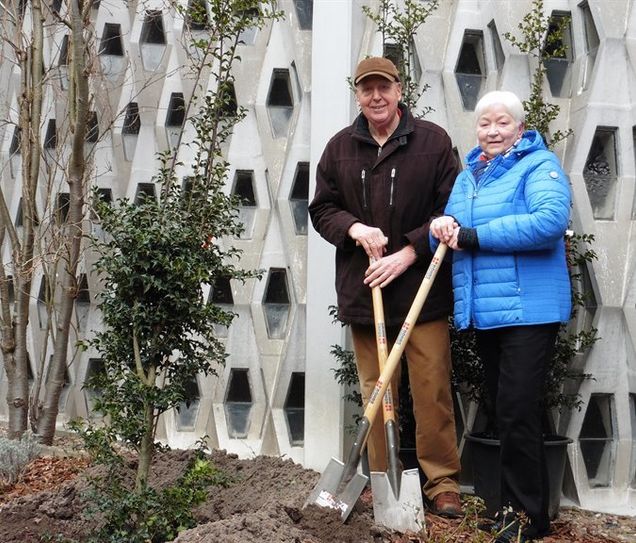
378,98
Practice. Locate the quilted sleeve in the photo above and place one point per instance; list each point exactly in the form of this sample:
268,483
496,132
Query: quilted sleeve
545,218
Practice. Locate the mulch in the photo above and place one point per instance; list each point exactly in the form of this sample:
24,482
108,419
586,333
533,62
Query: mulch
573,525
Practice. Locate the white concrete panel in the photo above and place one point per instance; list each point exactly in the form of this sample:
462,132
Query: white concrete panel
330,112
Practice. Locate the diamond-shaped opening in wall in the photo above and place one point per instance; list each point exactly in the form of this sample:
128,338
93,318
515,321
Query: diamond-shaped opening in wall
592,42
500,57
558,53
597,440
470,70
221,295
197,16
187,410
280,102
299,198
130,129
145,190
276,304
175,117
82,302
238,403
600,173
294,408
243,190
152,40
94,368
305,13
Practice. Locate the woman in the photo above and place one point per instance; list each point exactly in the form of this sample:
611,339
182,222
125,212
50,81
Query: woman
506,219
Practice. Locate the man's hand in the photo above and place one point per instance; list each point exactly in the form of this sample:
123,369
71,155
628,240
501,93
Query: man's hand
384,270
371,239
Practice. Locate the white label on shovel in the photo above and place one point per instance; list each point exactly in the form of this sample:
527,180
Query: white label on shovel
326,499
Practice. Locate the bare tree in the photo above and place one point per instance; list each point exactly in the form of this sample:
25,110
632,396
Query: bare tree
23,28
73,230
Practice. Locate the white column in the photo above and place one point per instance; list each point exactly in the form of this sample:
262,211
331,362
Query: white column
330,111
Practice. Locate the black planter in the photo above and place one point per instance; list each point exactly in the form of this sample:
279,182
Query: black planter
485,459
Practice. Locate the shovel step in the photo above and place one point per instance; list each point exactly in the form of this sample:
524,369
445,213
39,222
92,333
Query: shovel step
403,513
330,491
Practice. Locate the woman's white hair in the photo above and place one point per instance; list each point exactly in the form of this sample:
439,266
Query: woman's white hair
507,99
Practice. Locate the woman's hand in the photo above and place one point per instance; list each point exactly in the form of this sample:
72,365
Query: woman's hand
452,241
444,228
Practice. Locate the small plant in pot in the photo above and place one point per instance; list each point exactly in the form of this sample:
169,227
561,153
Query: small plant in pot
561,389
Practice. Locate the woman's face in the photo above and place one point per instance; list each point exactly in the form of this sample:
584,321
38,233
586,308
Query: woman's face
497,130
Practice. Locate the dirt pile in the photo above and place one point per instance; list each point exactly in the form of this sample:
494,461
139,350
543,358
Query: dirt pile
263,504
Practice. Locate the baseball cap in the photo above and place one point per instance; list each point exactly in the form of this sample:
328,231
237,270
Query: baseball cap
376,66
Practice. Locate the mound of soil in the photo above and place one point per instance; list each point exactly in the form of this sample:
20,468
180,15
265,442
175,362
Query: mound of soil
263,504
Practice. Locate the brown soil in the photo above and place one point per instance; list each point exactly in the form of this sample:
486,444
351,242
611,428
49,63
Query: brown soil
264,504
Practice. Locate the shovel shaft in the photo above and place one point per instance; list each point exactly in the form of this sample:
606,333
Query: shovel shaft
390,428
403,336
393,471
383,348
391,363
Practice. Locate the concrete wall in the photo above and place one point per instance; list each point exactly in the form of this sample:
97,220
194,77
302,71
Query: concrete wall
273,348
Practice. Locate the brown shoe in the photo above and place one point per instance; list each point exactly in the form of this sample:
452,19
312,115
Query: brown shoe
447,504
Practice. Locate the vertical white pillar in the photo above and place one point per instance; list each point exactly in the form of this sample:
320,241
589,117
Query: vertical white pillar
330,111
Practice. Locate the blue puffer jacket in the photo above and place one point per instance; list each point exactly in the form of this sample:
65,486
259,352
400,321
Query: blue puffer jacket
520,208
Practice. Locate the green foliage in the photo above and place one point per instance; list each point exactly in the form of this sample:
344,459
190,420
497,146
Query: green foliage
152,515
155,515
15,455
159,331
398,26
346,373
570,343
155,316
99,442
542,41
156,256
467,372
57,538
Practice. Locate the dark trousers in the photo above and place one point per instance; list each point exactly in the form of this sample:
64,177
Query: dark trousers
515,360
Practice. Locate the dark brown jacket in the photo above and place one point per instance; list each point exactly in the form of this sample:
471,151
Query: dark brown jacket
398,188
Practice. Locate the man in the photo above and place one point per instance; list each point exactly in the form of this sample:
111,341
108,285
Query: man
379,183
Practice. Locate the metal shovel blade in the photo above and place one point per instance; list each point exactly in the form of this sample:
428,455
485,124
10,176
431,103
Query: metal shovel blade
328,494
403,513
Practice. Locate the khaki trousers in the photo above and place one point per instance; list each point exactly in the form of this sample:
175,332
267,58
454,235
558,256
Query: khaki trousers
428,358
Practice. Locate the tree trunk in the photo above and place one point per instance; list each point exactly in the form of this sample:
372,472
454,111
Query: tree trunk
146,449
73,230
31,63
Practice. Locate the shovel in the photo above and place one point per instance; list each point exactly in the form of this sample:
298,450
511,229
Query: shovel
397,495
340,485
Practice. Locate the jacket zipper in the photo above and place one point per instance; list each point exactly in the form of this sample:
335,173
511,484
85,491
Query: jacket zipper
365,204
392,187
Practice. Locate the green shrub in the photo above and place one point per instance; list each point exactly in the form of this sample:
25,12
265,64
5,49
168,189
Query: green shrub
153,515
15,455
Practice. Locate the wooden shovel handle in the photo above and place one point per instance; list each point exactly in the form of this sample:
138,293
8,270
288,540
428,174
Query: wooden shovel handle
381,342
403,336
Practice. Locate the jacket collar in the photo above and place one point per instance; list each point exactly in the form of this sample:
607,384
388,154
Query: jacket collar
530,141
360,127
